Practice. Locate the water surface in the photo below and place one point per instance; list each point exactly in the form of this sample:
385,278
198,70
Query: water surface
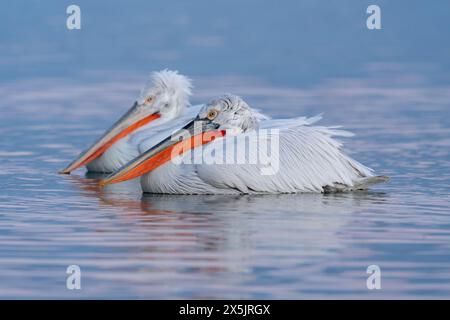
60,89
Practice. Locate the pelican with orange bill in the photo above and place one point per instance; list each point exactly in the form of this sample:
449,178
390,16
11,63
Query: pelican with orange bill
305,158
161,104
196,133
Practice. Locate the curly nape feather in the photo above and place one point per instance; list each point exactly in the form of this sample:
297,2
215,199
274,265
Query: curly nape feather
172,81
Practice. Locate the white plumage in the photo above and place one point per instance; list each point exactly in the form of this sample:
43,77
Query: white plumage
310,158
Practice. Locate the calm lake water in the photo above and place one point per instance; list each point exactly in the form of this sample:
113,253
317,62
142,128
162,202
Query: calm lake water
60,89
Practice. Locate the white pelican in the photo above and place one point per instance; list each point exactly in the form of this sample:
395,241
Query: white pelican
310,159
162,104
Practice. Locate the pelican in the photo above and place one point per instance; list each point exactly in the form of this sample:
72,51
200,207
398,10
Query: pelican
310,159
161,104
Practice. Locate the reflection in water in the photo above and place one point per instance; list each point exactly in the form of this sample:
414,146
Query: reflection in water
221,236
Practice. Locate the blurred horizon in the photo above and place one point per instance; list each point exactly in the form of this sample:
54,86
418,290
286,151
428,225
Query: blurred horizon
299,43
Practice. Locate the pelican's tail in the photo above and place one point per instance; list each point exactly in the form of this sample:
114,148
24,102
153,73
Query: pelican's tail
360,184
364,183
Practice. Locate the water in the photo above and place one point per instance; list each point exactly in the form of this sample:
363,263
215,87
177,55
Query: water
60,89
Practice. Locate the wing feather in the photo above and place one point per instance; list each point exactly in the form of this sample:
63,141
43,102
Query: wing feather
310,159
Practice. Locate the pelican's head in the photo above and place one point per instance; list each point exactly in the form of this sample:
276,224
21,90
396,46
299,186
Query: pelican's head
167,94
230,113
163,98
224,116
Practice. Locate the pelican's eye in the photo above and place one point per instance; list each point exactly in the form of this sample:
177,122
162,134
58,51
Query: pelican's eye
149,100
212,114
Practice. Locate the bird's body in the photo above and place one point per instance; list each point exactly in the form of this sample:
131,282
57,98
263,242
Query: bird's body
310,160
303,157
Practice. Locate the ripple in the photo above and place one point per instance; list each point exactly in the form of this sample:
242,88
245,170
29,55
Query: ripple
269,246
